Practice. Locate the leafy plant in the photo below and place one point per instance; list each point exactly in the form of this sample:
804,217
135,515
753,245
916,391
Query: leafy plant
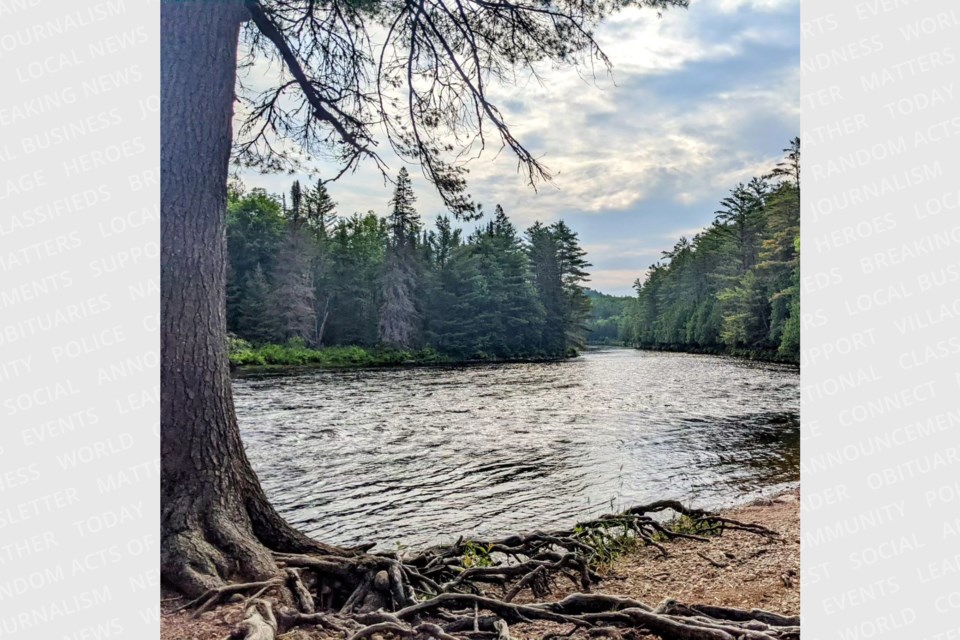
475,555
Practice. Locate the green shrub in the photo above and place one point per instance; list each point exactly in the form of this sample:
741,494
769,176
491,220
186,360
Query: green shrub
296,354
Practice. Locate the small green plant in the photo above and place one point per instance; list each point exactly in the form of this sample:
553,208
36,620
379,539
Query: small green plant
687,525
475,555
609,540
242,353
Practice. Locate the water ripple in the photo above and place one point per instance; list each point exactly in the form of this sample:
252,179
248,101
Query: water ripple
413,456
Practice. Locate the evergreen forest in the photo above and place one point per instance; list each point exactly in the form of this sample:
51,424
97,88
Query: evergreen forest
735,287
300,274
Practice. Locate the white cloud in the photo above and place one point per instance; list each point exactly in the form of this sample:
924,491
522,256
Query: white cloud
615,281
730,6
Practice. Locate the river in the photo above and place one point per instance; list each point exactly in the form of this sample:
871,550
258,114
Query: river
415,456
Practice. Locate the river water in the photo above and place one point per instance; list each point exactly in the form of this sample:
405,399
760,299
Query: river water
421,455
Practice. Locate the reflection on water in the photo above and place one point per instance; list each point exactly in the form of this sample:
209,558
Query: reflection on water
405,455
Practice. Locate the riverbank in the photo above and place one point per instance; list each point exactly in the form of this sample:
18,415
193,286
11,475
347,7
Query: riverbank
737,569
744,354
293,355
247,357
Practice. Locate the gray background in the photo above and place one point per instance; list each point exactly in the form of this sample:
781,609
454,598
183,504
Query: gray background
881,302
79,236
79,305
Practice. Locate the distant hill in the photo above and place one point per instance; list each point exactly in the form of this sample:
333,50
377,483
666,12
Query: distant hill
607,313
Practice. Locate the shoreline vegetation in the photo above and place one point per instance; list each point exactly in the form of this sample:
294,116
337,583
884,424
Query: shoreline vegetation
730,352
315,288
270,356
737,569
733,289
369,290
247,357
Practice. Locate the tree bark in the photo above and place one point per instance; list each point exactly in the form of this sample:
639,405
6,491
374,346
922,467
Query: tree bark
216,522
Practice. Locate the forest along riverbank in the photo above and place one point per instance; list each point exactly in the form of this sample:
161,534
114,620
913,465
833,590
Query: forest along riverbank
736,569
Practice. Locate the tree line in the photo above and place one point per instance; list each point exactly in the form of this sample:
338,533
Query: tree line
735,287
607,316
298,273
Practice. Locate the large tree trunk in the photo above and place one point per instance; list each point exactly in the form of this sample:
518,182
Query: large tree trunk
216,523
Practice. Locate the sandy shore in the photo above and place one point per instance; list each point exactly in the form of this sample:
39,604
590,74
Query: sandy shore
739,570
759,573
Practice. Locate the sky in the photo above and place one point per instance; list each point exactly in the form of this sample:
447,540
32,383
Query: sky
698,100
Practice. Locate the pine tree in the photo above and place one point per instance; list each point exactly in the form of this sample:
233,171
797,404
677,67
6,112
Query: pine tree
572,263
522,314
443,241
295,212
740,219
404,220
320,219
548,280
254,315
254,232
736,285
234,299
293,295
399,317
320,211
358,248
789,167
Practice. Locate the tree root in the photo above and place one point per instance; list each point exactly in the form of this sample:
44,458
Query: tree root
259,623
212,597
714,563
466,591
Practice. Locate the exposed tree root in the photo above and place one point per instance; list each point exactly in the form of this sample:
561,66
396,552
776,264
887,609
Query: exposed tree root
213,597
714,563
259,622
466,591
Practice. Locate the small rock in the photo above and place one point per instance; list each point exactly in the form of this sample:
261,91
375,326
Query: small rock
381,581
235,598
207,615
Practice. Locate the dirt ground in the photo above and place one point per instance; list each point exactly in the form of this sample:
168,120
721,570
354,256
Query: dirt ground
760,573
740,570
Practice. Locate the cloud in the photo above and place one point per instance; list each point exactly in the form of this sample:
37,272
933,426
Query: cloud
729,6
699,100
618,282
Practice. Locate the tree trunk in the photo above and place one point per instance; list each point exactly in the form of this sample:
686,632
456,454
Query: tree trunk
216,523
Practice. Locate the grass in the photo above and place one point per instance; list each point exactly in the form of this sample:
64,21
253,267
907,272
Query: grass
296,354
688,525
609,541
